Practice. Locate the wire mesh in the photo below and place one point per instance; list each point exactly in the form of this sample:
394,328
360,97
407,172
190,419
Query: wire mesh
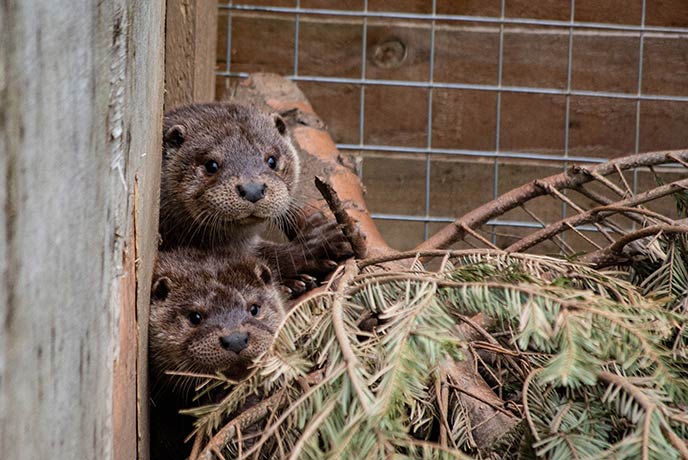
572,27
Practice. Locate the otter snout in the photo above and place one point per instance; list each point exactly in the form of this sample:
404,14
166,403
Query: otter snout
236,341
252,191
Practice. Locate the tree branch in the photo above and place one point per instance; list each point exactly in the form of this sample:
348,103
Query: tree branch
595,215
612,254
574,177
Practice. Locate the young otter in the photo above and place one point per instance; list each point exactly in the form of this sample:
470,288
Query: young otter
227,170
210,312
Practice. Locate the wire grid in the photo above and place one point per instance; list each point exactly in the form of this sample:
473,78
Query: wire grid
428,151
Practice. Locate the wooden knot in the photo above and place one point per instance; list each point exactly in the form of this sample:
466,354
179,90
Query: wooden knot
389,54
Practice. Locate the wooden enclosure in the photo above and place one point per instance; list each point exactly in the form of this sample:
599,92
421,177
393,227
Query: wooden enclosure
447,111
82,95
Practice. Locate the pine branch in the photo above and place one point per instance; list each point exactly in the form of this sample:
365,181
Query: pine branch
350,271
244,420
649,406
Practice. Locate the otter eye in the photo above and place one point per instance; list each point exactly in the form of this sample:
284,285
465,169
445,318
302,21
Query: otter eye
211,166
195,318
254,310
272,162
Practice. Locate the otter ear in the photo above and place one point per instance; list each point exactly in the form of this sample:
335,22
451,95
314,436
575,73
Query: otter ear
279,124
174,137
161,288
264,273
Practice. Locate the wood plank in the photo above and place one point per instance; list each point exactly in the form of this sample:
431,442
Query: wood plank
190,51
468,53
82,100
144,128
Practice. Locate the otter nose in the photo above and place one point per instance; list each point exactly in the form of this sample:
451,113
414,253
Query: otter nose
236,341
253,191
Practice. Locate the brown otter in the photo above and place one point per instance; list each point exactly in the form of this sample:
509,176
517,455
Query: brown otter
227,171
210,312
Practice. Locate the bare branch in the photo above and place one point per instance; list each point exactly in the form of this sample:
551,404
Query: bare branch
573,178
349,227
613,255
595,215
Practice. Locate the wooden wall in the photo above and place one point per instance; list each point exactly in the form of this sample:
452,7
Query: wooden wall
81,96
468,53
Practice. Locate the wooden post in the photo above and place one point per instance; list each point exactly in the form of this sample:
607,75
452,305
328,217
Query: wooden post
190,51
81,95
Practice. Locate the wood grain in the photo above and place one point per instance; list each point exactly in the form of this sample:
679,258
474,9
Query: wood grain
190,51
81,94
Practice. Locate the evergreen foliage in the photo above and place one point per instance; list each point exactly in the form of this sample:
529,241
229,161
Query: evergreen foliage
589,364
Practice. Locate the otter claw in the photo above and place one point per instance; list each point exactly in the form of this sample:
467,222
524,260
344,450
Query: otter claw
308,278
330,264
311,282
300,285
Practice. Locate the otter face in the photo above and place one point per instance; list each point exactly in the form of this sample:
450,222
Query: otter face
209,314
228,164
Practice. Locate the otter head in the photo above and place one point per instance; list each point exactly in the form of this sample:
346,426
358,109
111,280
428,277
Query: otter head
225,165
210,314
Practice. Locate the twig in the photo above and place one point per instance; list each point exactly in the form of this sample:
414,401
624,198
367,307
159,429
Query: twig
358,243
425,253
582,235
478,236
612,186
629,211
625,182
557,194
198,439
595,214
594,196
350,271
482,400
526,410
563,246
484,409
574,177
243,420
442,396
678,160
612,254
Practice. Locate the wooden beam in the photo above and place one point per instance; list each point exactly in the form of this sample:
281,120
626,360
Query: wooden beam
81,96
191,38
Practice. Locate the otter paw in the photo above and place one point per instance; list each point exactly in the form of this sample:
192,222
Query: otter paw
294,287
322,247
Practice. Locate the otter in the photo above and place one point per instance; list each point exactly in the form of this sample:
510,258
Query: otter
210,312
227,171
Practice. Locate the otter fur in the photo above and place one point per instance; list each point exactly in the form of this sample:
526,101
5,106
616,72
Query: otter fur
210,312
227,171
